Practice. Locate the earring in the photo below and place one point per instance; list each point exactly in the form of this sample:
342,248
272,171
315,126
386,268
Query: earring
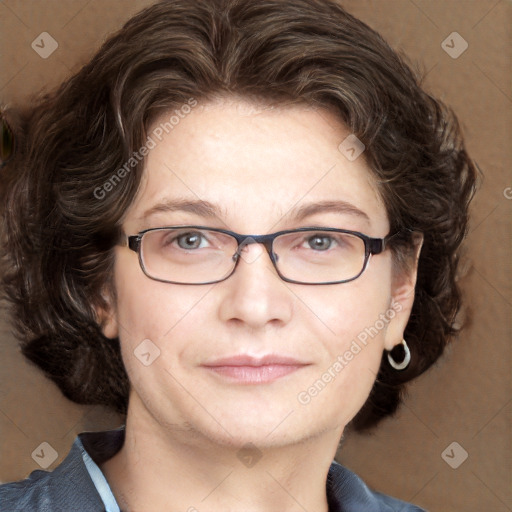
407,358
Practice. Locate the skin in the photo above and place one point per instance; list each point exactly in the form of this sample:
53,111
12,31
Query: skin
185,425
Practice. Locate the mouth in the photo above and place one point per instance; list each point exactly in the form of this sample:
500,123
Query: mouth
245,369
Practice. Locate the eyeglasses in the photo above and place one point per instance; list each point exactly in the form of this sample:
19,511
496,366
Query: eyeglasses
205,255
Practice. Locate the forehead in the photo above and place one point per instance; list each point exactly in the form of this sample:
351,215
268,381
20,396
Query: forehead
255,163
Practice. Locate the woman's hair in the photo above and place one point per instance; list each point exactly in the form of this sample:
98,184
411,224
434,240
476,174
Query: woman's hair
64,192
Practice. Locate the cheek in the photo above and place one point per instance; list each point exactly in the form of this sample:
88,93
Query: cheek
349,324
156,310
150,310
342,313
156,321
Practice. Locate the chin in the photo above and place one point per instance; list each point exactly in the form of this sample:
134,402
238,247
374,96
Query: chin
266,430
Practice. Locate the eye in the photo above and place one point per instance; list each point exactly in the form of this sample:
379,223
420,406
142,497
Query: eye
320,242
188,240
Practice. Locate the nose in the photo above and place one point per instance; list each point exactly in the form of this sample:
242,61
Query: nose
255,295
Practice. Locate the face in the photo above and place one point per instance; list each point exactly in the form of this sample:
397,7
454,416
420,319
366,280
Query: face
257,166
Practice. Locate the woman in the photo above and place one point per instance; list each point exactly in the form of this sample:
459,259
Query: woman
238,225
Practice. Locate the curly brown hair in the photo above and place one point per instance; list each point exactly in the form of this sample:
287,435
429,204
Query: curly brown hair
58,236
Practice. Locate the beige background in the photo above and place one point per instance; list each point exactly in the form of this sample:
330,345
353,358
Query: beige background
466,397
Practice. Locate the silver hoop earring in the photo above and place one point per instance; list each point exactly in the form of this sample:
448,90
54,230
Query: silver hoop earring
407,358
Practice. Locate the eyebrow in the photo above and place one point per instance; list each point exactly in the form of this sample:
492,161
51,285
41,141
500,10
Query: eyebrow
337,206
198,207
209,210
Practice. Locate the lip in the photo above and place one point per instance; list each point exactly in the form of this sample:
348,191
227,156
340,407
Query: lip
246,369
247,360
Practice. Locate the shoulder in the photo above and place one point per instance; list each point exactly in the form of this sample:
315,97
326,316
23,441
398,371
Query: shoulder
68,487
346,491
27,495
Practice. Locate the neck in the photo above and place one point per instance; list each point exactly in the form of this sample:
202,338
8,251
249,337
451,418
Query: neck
175,465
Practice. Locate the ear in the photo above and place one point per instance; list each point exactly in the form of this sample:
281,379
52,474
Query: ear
107,316
402,296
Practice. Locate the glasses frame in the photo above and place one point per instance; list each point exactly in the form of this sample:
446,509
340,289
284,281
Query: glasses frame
372,246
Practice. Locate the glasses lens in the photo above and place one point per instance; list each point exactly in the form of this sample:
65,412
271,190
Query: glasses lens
187,255
319,256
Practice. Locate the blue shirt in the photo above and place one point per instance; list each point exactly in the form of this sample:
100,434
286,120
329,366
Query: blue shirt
78,485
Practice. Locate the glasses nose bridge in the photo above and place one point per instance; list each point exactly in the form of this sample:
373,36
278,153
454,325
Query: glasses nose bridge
266,240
